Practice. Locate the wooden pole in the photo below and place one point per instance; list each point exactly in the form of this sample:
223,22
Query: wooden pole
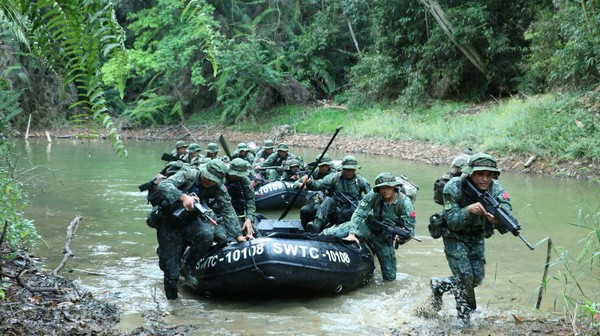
28,124
543,284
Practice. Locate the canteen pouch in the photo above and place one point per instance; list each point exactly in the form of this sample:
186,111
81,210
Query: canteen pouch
436,225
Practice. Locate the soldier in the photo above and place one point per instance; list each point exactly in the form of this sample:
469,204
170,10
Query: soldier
263,154
194,156
384,202
467,223
180,151
276,160
239,187
345,189
309,210
174,234
455,170
243,152
292,171
212,150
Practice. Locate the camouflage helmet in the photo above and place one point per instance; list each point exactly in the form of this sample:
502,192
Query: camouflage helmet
212,148
293,163
180,144
325,160
214,171
269,144
193,148
458,164
480,162
350,162
239,167
242,146
283,147
385,179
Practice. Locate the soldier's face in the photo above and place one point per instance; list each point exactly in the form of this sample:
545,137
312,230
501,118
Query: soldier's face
323,169
348,173
482,179
386,192
282,153
207,183
269,151
180,150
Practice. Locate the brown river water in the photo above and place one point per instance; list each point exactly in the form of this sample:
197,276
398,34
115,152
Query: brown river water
87,178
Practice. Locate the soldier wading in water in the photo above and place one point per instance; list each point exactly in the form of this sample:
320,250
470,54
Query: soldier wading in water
384,202
467,223
175,234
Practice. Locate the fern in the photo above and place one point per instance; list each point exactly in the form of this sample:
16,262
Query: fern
73,38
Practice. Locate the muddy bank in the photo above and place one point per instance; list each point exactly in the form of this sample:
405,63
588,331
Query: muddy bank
418,151
406,150
38,303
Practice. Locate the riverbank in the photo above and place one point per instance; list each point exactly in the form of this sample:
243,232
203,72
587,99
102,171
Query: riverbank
37,303
424,152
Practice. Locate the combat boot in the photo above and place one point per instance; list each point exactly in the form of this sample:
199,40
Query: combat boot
171,292
438,287
315,226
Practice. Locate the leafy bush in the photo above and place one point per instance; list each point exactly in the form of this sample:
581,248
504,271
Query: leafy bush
21,232
565,40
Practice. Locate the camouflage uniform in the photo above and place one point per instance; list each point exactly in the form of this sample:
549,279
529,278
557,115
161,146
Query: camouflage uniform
263,153
464,235
194,156
373,204
243,152
240,190
309,210
175,234
175,152
292,171
344,195
276,160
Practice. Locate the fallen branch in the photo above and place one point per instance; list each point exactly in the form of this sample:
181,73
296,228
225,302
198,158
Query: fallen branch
189,132
67,251
86,271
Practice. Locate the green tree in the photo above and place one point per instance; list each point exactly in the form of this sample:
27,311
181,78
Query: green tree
72,39
565,47
172,58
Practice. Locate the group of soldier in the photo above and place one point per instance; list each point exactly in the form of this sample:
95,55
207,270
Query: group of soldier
224,186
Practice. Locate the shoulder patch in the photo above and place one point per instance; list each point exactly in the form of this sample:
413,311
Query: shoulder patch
505,195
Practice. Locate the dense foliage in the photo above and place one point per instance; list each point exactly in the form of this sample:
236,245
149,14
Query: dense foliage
242,58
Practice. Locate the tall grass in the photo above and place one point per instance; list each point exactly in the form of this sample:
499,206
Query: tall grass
559,126
578,274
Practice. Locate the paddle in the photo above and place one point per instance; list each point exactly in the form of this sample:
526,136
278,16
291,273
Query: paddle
300,187
225,146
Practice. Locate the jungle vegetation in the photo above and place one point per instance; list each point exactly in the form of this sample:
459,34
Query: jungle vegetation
115,64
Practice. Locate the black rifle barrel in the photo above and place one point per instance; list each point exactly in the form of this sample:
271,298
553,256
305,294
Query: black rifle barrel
492,206
291,203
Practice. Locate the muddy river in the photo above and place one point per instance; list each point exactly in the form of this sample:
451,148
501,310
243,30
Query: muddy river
114,242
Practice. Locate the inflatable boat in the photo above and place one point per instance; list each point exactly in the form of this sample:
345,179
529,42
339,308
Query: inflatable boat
283,260
277,194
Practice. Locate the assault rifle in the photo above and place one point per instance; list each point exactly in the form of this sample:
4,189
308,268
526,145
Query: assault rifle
146,186
392,230
346,199
169,157
491,205
200,210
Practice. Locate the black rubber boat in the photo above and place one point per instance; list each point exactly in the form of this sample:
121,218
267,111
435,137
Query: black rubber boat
285,260
277,195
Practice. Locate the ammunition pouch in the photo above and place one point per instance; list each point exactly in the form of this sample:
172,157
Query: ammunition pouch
154,217
436,225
